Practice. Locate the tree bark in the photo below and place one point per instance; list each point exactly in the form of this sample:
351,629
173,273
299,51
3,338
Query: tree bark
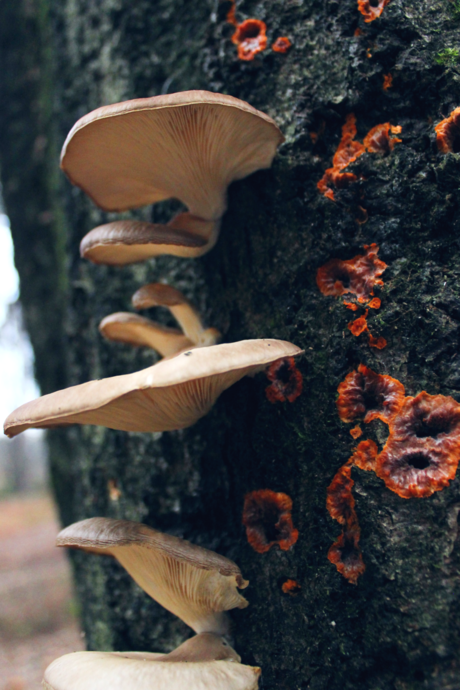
399,626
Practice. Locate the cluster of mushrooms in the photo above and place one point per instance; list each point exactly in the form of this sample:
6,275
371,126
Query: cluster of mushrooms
188,146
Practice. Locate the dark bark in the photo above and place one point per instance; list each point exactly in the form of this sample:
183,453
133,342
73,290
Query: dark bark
399,627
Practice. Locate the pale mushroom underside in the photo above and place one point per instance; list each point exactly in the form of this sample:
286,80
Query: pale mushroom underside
109,671
188,146
195,584
172,394
138,331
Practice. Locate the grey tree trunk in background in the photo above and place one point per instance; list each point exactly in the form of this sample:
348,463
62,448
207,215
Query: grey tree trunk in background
399,627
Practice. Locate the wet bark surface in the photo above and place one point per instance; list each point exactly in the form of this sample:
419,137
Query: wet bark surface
398,627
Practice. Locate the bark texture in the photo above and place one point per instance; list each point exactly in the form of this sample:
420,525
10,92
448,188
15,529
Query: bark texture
399,627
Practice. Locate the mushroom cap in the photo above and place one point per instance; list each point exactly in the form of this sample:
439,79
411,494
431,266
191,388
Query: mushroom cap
136,330
195,584
158,295
131,241
111,671
172,394
188,145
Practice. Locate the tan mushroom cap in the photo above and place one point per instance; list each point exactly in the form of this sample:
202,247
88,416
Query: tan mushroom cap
172,394
130,241
195,584
160,295
136,330
188,145
111,671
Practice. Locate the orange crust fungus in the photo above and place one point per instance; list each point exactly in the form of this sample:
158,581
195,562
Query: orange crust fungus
268,520
423,450
286,380
251,38
387,81
348,151
378,139
291,587
357,276
448,133
371,9
359,325
356,432
365,455
345,552
367,395
281,45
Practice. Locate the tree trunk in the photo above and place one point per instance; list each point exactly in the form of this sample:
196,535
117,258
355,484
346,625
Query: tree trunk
399,626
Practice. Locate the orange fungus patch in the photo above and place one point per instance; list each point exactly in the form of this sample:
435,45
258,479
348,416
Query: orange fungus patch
422,452
356,432
367,395
387,81
448,133
371,9
291,587
378,139
357,276
365,455
268,521
359,325
348,151
281,45
251,38
345,552
286,381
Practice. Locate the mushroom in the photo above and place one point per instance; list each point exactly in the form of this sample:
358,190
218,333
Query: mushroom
172,394
133,329
195,584
189,145
160,295
130,241
144,671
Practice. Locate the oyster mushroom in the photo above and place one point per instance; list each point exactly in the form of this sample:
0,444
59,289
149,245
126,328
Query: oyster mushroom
189,146
145,671
172,394
135,330
195,584
160,295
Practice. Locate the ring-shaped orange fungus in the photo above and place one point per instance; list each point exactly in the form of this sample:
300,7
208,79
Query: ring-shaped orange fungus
281,45
268,520
371,9
366,395
357,276
286,380
345,552
448,133
251,38
422,453
291,587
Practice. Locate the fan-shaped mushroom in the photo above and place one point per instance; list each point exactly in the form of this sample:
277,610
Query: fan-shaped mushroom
187,145
195,584
172,394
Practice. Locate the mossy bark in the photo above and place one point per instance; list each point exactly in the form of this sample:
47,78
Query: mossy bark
399,627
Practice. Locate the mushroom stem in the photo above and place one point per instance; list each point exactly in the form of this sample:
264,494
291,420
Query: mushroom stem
160,295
